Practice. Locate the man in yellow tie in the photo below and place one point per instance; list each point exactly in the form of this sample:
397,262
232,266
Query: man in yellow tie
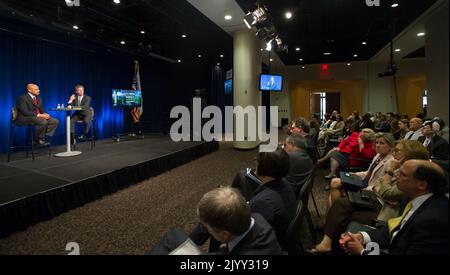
423,226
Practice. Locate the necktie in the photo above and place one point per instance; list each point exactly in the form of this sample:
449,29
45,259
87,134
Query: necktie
426,142
410,135
370,171
79,101
396,222
36,105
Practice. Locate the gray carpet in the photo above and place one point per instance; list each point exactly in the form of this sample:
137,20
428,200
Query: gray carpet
133,220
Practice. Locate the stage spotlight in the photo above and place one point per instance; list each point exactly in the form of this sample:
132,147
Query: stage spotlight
256,17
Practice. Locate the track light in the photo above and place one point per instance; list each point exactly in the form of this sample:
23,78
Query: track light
258,16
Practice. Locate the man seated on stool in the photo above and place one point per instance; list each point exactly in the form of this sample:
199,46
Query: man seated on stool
30,110
79,99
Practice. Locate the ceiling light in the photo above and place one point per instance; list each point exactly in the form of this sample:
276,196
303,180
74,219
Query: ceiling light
349,64
221,56
288,15
179,60
421,34
218,64
122,42
327,53
183,36
75,27
258,16
199,56
398,50
394,5
271,60
355,55
364,43
117,1
228,17
262,49
301,59
303,67
297,49
142,32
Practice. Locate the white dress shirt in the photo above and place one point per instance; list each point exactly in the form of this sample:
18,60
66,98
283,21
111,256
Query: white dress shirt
413,135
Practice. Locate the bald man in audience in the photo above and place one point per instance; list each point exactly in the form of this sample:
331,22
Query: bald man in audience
415,129
422,229
31,111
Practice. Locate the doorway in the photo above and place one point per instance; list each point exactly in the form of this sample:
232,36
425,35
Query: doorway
325,103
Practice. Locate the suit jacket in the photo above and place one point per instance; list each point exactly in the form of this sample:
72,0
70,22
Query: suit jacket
438,147
276,202
85,104
26,108
425,232
260,240
379,170
300,167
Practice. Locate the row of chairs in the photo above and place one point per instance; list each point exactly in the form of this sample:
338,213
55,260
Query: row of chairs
293,234
29,144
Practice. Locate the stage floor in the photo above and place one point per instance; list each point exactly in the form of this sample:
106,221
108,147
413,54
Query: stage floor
22,177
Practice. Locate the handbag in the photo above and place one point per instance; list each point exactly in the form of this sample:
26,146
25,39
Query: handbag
362,199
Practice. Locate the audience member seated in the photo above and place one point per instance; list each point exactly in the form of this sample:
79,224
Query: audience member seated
422,229
300,164
403,128
351,151
415,129
384,145
366,122
436,145
381,124
274,198
387,198
226,216
301,127
443,132
335,131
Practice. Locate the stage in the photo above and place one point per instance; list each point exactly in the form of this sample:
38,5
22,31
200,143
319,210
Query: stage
31,192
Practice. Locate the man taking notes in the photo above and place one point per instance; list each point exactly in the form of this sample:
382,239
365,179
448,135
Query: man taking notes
30,110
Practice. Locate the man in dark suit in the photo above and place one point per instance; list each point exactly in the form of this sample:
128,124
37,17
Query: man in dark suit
302,128
79,99
423,227
300,164
30,110
227,217
436,145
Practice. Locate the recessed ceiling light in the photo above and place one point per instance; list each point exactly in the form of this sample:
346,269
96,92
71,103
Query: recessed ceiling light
327,53
349,64
218,64
297,49
364,43
288,15
394,5
262,49
303,67
117,1
271,60
179,60
221,56
301,59
142,32
183,35
228,17
421,34
75,27
398,50
122,42
355,55
199,56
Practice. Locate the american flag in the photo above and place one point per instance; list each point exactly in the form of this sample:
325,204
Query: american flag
137,112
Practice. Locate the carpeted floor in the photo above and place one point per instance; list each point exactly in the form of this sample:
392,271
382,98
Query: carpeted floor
133,220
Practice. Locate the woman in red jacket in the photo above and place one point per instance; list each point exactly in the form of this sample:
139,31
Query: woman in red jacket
355,150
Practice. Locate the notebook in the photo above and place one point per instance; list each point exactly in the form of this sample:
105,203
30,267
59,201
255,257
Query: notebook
352,182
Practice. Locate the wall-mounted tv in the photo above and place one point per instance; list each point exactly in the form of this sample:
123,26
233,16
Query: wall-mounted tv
271,82
229,86
126,98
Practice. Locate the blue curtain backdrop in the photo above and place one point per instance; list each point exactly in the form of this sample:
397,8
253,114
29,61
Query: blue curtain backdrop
57,68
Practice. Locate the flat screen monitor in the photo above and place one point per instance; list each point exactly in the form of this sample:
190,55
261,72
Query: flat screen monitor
126,98
229,86
271,82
